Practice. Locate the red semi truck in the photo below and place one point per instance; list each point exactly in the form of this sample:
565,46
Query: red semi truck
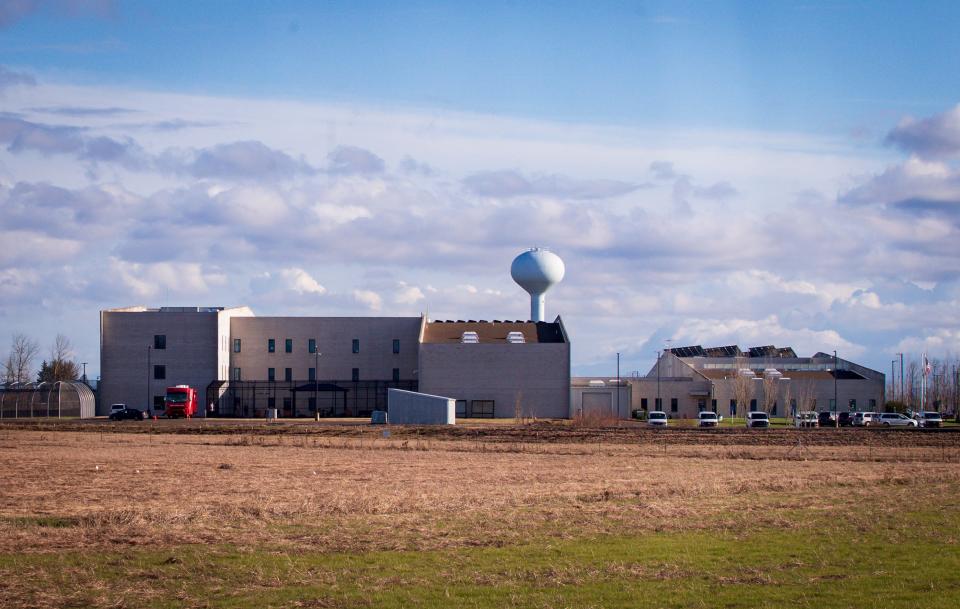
181,401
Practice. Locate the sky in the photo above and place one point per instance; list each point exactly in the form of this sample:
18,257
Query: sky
711,173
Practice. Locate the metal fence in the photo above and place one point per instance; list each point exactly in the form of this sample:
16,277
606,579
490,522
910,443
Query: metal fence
251,399
48,399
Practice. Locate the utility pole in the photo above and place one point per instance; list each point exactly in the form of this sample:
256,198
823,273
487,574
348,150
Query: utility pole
902,397
893,380
657,406
836,374
618,385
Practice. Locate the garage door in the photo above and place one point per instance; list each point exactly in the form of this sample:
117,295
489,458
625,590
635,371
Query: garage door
598,403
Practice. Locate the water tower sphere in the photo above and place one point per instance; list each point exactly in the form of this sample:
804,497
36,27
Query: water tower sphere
536,270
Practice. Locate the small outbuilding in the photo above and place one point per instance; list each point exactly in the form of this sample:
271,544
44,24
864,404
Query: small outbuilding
412,408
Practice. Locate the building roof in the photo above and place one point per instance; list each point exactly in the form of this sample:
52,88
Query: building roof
794,375
767,351
491,332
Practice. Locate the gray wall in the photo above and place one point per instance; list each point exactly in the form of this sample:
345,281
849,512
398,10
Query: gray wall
535,375
190,357
412,408
334,335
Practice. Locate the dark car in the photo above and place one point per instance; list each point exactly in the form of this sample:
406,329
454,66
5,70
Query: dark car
128,413
845,419
826,419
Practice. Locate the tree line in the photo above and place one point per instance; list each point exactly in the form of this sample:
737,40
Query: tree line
59,365
942,382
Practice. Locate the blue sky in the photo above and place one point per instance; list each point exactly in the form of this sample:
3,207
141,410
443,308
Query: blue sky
712,172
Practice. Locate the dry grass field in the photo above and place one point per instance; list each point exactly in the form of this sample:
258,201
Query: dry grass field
94,516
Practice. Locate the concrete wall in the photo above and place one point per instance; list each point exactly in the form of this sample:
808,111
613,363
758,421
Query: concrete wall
590,400
190,356
412,408
376,359
534,375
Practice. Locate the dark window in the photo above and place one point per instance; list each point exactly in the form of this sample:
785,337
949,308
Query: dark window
833,405
753,405
236,374
733,407
159,341
288,374
460,410
396,374
271,374
793,406
312,404
713,405
873,404
356,375
773,410
658,404
288,345
673,405
814,402
312,345
158,403
271,402
643,403
311,374
701,405
236,345
287,403
396,345
159,372
356,345
271,345
482,409
853,405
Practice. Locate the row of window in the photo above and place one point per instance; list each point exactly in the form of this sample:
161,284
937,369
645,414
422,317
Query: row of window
702,405
311,374
311,345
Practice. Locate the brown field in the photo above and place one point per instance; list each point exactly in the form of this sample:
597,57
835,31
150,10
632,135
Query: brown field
352,490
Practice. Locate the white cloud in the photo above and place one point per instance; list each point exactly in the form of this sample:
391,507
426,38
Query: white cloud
369,299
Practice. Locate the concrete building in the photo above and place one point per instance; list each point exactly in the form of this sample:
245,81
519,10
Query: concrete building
731,382
243,365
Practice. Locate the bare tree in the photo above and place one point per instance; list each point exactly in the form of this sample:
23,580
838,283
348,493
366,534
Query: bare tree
23,350
805,393
787,392
770,387
742,385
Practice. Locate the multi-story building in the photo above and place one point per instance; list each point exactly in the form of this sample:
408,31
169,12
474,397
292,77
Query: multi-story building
243,365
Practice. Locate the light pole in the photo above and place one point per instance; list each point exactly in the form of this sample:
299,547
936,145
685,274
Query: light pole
149,406
657,405
618,384
316,383
84,378
902,397
836,375
893,379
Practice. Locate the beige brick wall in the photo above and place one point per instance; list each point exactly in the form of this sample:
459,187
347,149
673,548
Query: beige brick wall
376,359
190,357
535,374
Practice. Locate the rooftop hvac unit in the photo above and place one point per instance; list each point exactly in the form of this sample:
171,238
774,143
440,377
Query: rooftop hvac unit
771,372
470,338
515,337
596,383
745,372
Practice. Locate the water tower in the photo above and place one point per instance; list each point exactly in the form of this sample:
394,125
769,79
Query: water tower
536,271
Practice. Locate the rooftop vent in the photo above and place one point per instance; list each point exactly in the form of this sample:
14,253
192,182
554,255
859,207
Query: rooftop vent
596,383
515,337
470,338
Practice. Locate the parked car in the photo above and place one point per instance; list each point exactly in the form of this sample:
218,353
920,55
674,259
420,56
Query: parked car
117,408
827,419
709,419
657,418
128,413
845,419
807,418
928,419
895,419
864,419
758,419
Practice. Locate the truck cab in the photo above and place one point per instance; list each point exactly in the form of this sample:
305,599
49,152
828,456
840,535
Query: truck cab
180,401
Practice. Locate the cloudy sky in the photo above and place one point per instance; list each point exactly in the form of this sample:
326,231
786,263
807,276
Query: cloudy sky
711,173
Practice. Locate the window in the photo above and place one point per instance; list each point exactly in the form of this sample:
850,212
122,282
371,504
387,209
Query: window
713,405
311,374
236,345
236,374
312,404
658,404
158,403
396,345
793,406
873,404
833,405
753,405
643,403
312,345
853,405
813,404
271,374
287,403
733,407
288,346
356,345
701,405
271,402
288,374
482,409
396,375
773,410
673,405
159,372
159,341
271,345
460,410
356,374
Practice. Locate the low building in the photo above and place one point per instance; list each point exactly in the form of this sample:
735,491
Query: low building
687,380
